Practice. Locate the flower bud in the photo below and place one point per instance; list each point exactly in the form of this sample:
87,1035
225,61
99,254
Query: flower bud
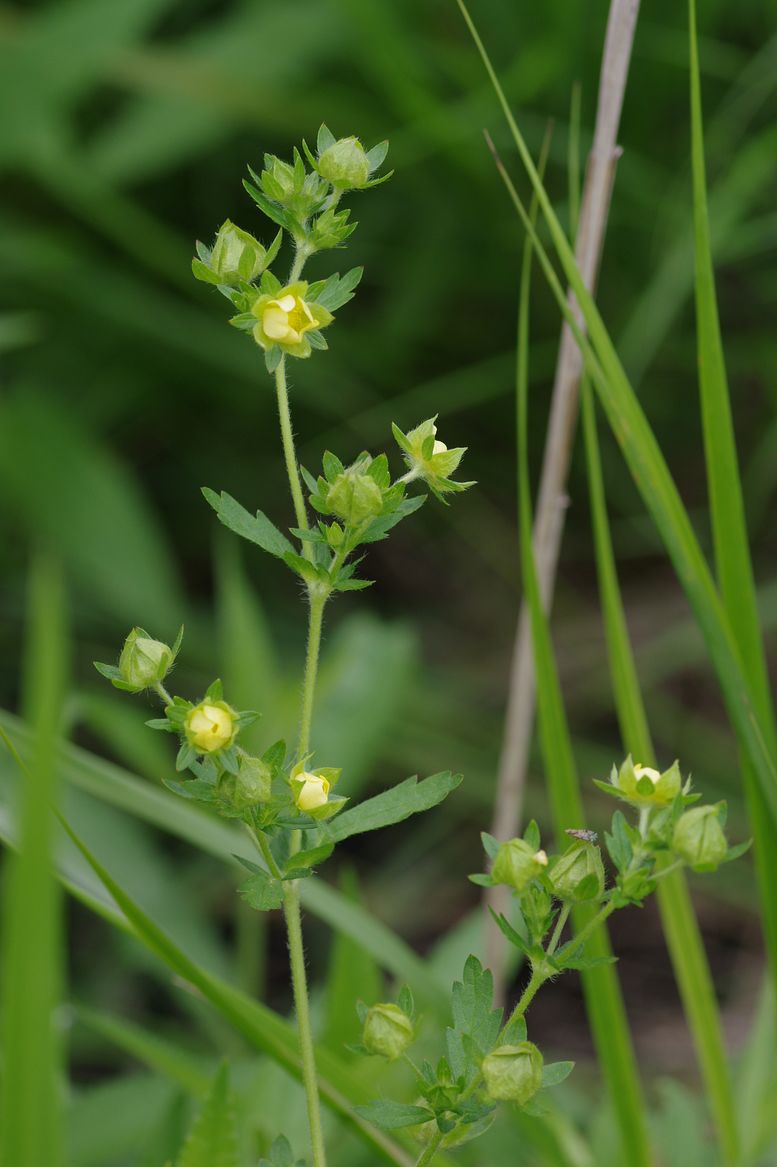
354,497
645,786
388,1031
513,1073
345,164
698,837
570,874
211,726
144,661
517,864
311,791
236,254
253,782
285,319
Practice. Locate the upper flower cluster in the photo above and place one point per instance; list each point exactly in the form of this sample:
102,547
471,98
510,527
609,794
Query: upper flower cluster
286,319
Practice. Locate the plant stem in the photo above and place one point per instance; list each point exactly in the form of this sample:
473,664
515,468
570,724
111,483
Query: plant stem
563,916
430,1150
163,693
289,453
317,604
291,910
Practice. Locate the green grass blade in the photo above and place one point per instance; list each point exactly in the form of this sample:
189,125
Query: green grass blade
260,1026
604,1002
31,1124
646,463
680,926
729,526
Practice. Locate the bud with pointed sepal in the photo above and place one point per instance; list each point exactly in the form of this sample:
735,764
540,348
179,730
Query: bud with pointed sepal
578,875
513,1073
388,1031
345,163
644,786
143,663
517,863
698,838
236,257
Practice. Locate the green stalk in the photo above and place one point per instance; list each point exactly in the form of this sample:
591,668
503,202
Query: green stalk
317,605
678,918
291,910
289,453
727,512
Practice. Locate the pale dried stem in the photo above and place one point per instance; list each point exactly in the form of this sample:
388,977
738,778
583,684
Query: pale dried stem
552,500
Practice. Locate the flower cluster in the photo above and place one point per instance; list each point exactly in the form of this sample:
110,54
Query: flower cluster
286,319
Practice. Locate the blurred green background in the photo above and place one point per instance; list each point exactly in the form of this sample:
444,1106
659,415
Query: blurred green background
124,133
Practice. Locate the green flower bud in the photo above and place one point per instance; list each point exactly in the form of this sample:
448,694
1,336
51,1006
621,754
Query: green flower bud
698,838
517,864
513,1073
236,255
253,782
345,164
143,661
388,1031
570,876
354,497
210,726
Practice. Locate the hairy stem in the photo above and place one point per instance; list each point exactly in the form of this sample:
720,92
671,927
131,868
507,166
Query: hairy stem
290,454
317,604
563,916
291,910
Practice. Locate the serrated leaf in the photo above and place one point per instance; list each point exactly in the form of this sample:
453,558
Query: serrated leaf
476,1023
380,526
391,1116
338,290
393,806
212,1141
255,528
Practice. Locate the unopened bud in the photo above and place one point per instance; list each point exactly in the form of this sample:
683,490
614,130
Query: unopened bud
388,1031
143,661
345,164
513,1073
517,863
578,874
354,497
699,839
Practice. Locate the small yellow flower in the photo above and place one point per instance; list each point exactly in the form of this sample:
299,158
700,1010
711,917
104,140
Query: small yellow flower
211,726
284,320
311,791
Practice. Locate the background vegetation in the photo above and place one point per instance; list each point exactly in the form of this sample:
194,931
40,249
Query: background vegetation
124,129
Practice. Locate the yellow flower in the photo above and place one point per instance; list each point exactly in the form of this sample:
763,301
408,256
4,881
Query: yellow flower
210,726
285,319
311,791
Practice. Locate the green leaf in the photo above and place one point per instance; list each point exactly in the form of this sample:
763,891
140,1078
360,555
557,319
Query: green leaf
380,527
555,1072
390,1116
262,891
258,1024
30,973
338,290
304,860
256,528
393,806
212,1141
475,1021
